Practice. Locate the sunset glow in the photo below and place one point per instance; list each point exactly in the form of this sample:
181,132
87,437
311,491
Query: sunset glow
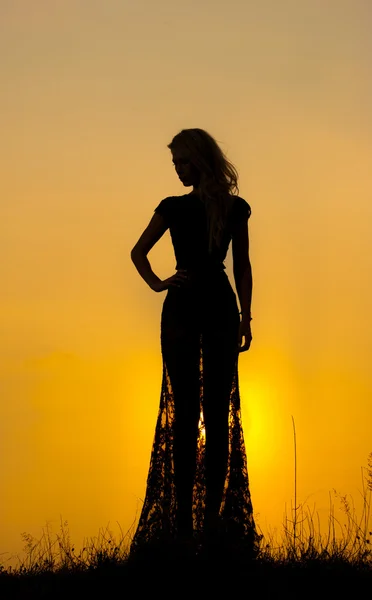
92,94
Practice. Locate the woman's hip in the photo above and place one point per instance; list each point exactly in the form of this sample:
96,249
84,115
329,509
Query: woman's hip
199,307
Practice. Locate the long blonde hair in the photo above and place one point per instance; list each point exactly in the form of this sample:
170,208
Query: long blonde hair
218,177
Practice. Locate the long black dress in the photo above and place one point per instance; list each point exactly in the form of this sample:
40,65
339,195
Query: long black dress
199,421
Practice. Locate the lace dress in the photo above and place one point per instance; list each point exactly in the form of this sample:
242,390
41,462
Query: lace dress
199,344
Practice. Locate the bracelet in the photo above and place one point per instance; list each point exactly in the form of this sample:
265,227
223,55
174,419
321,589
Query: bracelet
250,318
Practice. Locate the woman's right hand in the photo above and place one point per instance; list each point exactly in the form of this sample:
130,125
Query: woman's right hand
179,279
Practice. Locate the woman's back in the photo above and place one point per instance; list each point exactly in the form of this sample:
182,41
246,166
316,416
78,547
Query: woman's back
186,218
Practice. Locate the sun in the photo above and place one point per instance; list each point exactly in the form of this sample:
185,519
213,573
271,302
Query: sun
201,426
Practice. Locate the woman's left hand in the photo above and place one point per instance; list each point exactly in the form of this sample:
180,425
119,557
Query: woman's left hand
244,331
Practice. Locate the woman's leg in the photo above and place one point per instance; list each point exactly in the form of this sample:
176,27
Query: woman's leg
181,353
220,354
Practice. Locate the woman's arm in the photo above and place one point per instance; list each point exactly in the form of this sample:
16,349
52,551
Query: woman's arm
243,281
152,234
242,267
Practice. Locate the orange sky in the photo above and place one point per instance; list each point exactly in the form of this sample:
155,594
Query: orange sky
92,93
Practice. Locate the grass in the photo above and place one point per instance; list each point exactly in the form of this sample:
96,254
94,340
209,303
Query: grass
301,558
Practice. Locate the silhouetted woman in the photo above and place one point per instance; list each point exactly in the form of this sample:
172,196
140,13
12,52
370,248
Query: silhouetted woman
198,480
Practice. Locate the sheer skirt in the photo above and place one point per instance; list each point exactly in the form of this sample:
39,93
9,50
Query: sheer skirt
198,462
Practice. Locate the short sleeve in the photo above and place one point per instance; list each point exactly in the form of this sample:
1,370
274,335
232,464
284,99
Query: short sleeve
243,210
164,208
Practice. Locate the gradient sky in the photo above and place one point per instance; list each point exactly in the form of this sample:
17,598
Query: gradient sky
92,93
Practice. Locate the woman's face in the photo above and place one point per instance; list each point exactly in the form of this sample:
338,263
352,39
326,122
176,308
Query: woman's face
186,171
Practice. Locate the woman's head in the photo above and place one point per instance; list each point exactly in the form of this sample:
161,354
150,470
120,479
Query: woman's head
199,161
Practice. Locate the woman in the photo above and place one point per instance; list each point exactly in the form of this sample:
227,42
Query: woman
198,480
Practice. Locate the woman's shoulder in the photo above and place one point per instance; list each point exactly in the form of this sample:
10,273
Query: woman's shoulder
168,200
241,209
165,203
173,203
169,208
